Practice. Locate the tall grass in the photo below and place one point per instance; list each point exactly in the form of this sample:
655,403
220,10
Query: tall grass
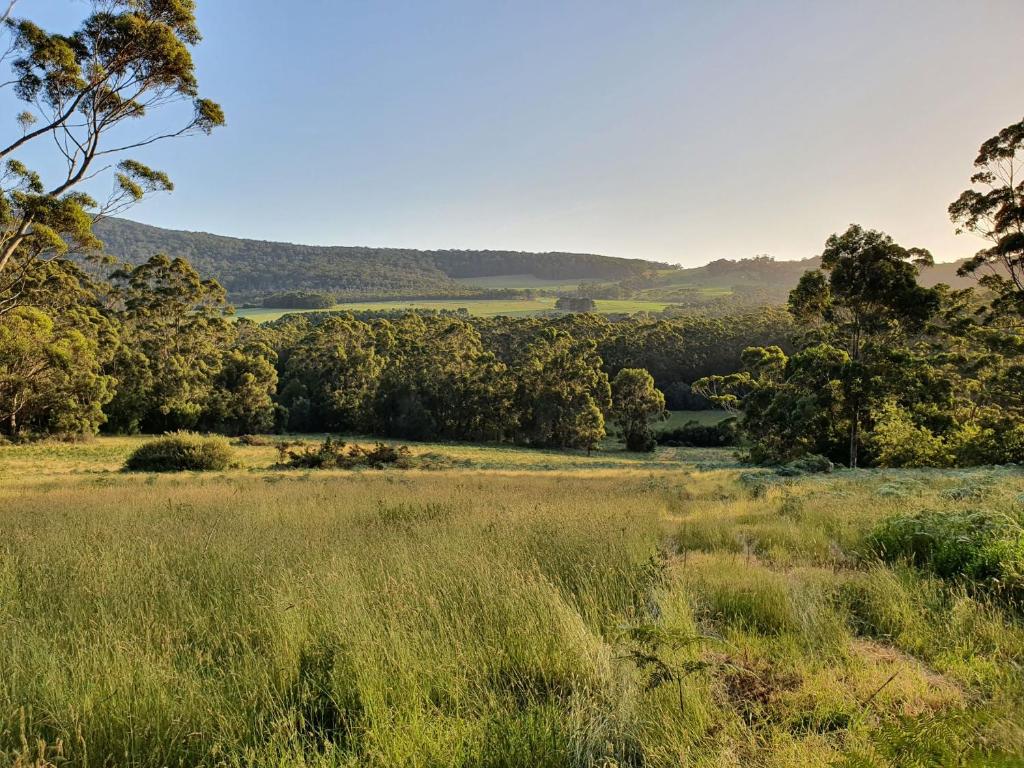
486,619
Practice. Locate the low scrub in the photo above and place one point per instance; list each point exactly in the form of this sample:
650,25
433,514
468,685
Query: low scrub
336,454
981,548
181,451
809,464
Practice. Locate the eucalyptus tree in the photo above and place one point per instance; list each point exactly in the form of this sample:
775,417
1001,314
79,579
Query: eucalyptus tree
89,97
174,329
994,209
864,299
635,404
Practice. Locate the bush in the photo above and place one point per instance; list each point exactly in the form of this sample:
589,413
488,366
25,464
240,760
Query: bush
899,442
984,549
181,451
336,454
255,440
695,435
809,464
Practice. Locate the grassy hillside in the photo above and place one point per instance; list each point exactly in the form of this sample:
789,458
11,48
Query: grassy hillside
252,268
528,609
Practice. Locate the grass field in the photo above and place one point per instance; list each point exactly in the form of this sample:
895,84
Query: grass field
479,307
520,609
524,281
677,419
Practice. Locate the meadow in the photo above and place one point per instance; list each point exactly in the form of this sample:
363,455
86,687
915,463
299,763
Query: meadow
479,307
520,608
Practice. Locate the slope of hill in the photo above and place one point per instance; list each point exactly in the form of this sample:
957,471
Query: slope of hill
758,280
253,268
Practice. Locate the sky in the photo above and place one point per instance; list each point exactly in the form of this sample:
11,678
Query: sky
672,130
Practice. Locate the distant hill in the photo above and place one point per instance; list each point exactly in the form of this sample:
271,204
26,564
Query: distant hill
758,280
254,269
250,269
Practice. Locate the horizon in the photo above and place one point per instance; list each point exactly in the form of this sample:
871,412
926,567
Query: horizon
673,133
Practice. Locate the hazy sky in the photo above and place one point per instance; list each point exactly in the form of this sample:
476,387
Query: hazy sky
677,130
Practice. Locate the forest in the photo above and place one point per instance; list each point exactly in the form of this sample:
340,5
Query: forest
252,269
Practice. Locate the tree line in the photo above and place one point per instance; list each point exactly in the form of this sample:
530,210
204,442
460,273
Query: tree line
153,348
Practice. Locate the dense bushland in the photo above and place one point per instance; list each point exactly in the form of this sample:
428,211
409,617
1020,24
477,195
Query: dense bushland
867,365
154,349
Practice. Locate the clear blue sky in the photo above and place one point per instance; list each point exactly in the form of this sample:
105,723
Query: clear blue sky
674,130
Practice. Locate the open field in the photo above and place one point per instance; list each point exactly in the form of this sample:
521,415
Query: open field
523,609
525,281
677,419
480,307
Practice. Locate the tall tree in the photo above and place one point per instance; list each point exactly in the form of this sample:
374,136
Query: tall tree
330,375
53,347
635,404
994,209
174,330
864,297
83,92
562,392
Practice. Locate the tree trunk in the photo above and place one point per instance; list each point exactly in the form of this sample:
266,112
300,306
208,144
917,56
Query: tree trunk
854,437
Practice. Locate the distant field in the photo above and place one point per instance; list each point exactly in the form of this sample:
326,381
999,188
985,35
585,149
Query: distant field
678,419
524,281
526,609
479,307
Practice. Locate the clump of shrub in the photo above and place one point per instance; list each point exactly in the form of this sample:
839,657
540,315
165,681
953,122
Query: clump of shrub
695,435
336,454
964,493
181,451
980,548
255,440
809,464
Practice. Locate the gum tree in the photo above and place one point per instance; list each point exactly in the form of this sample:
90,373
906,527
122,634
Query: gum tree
89,97
994,209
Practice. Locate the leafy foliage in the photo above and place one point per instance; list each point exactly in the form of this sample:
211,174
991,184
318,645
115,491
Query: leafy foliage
336,454
983,548
996,213
181,451
696,435
635,404
82,93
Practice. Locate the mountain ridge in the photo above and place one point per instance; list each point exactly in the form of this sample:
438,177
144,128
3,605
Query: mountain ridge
252,270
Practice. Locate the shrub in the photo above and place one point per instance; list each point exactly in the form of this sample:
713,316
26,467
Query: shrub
809,464
899,442
982,548
336,454
694,435
181,451
255,440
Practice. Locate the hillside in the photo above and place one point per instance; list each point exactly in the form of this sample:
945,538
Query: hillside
250,269
254,269
756,280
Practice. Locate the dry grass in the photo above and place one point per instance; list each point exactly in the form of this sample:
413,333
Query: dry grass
491,615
